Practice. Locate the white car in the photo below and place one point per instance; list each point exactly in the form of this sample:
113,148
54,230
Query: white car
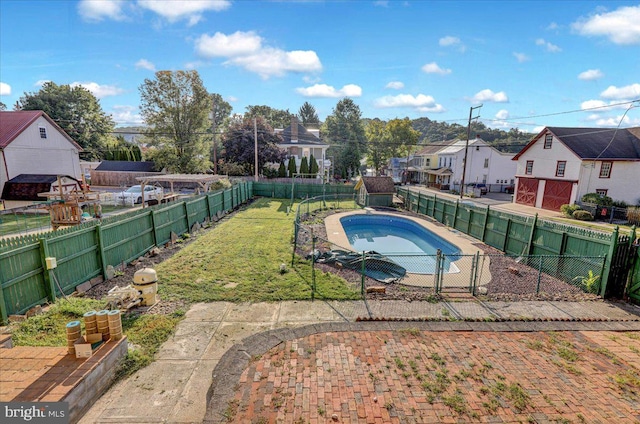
133,194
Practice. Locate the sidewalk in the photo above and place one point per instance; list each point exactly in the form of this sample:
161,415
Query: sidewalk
221,338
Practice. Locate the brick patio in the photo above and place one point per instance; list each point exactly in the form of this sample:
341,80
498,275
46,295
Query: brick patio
417,376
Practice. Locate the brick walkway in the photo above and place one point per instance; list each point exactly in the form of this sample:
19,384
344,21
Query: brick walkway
419,376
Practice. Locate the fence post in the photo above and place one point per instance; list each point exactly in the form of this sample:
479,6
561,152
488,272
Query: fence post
613,246
455,215
418,208
3,309
532,233
49,285
539,275
475,273
362,276
295,240
506,236
437,271
103,258
186,212
313,266
484,224
435,200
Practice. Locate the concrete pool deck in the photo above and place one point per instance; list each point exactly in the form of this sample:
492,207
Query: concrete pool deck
338,238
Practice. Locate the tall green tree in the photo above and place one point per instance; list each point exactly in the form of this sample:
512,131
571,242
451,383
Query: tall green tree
401,136
175,107
344,130
313,166
308,115
282,170
77,111
304,166
292,168
239,144
276,118
377,147
220,120
122,150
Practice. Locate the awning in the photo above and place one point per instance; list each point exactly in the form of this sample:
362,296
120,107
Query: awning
440,171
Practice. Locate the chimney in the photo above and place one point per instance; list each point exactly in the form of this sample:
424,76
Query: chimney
294,129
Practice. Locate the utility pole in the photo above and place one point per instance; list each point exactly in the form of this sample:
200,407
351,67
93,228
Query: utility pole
466,149
213,133
255,138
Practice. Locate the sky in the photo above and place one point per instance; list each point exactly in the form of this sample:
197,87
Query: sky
519,64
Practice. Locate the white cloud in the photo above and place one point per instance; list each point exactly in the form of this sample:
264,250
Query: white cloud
620,26
487,95
145,64
40,83
502,114
451,41
552,26
395,85
245,49
126,115
421,102
98,90
232,99
521,57
592,104
552,48
97,10
433,68
590,75
628,92
5,89
614,121
191,10
381,3
324,90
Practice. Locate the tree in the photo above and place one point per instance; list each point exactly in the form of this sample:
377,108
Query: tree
344,130
122,150
77,111
378,152
292,166
313,166
401,136
3,106
308,115
175,106
276,118
282,170
239,144
220,119
304,167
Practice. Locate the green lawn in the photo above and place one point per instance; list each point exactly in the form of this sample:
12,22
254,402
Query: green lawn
239,260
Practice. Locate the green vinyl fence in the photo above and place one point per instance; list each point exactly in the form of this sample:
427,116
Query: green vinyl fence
514,234
85,251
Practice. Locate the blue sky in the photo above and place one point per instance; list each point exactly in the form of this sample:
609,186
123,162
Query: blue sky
530,64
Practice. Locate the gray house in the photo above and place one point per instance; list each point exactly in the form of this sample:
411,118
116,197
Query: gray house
375,191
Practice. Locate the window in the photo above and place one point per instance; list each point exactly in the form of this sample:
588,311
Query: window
513,181
43,132
497,181
605,169
560,166
548,139
428,161
486,162
450,162
529,168
602,191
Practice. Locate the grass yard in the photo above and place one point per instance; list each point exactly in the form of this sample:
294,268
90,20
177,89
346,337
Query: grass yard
239,261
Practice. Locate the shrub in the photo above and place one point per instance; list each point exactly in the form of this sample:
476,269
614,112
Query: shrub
568,210
598,199
633,215
581,215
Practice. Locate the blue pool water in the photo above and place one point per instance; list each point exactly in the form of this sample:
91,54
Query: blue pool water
401,240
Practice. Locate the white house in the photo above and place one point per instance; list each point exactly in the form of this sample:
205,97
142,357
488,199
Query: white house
300,142
32,144
485,164
560,165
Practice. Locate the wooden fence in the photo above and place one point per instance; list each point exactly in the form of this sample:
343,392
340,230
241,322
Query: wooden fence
85,251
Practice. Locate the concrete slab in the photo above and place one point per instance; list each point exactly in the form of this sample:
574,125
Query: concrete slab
214,311
230,333
148,398
192,404
253,312
403,309
307,311
350,310
471,310
189,341
612,311
517,310
581,310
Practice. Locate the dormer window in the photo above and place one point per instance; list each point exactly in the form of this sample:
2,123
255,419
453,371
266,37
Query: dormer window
548,139
43,132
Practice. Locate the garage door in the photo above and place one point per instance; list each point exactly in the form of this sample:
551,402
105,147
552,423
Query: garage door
556,194
527,191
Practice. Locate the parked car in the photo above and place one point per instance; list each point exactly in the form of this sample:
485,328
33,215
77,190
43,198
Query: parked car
509,189
480,186
133,194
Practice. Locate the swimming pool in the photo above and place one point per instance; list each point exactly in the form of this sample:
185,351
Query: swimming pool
401,240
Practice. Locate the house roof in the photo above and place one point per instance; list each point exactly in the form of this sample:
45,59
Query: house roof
304,136
13,123
595,143
431,149
458,145
378,185
440,171
126,166
27,186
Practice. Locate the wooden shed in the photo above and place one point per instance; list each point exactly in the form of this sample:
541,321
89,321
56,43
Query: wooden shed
375,191
117,173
